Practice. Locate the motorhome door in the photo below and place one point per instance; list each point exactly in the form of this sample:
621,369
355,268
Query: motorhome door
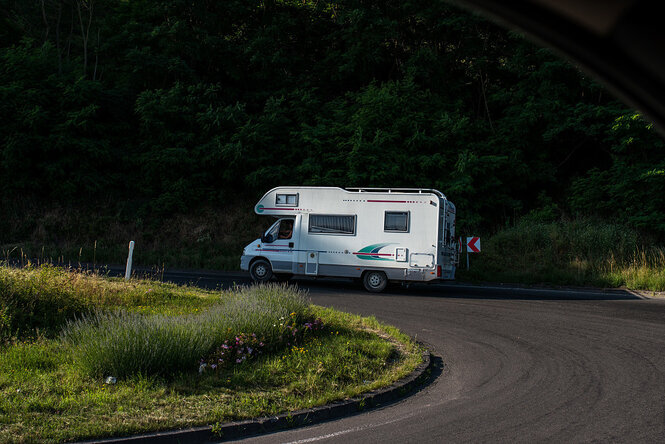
280,245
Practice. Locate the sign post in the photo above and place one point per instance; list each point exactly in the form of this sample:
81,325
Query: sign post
472,246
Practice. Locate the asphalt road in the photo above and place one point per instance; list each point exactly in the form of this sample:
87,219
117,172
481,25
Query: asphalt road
517,365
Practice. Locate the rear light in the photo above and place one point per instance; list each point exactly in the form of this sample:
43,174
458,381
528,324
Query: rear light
438,271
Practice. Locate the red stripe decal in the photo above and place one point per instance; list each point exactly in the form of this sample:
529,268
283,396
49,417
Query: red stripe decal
389,201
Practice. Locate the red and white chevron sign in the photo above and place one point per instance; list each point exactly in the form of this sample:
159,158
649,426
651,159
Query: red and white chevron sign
473,245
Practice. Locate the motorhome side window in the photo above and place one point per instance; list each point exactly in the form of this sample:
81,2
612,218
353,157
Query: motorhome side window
332,224
288,200
396,221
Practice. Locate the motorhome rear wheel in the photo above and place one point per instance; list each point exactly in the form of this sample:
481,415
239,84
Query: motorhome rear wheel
375,281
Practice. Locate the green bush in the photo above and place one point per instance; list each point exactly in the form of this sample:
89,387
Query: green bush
578,252
123,343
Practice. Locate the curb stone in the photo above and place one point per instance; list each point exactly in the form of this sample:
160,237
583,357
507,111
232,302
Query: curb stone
263,425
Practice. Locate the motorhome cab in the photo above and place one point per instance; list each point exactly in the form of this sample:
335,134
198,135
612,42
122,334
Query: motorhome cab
376,235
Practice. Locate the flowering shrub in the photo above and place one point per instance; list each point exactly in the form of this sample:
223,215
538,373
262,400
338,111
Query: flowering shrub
234,351
292,332
244,347
123,343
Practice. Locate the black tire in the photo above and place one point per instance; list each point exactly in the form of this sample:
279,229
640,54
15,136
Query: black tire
375,281
260,270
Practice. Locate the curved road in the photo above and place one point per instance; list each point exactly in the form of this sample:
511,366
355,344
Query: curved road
517,366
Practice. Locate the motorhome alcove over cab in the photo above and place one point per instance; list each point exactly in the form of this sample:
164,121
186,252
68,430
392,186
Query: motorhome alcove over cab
376,235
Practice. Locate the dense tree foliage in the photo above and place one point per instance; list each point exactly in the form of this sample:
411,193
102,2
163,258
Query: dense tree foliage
170,104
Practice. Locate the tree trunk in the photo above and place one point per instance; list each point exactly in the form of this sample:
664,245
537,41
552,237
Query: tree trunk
57,37
71,33
45,22
85,29
94,73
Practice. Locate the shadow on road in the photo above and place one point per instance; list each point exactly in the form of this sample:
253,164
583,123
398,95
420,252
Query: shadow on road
222,280
462,291
448,290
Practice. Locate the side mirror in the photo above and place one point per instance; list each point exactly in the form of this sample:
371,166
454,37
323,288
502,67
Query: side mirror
266,238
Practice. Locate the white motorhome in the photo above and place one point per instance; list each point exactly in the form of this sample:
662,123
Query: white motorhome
374,234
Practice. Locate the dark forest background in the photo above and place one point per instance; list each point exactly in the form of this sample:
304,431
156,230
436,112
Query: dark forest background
160,107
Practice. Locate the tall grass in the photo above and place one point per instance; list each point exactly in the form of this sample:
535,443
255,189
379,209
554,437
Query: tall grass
37,300
40,300
644,271
579,252
124,343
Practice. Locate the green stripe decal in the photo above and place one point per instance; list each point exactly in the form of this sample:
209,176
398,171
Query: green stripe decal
371,253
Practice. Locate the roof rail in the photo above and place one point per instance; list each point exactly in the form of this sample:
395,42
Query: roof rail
396,190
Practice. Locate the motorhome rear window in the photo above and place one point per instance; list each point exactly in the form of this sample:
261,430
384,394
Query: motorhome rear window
396,221
289,200
332,224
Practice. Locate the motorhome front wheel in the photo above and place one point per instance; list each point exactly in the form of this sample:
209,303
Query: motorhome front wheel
261,271
375,281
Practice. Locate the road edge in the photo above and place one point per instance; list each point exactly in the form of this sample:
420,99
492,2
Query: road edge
264,425
197,274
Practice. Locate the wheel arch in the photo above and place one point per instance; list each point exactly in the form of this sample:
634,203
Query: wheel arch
369,270
256,258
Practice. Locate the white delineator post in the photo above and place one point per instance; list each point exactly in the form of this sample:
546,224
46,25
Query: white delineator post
128,269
